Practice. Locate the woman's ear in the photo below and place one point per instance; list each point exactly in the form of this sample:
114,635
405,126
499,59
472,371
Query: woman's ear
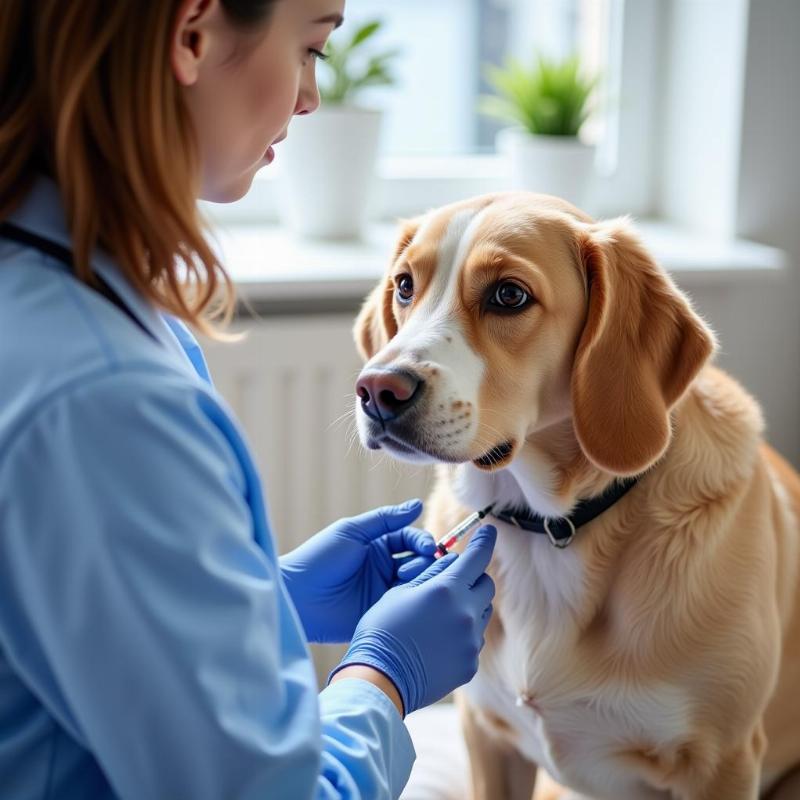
375,324
191,38
641,347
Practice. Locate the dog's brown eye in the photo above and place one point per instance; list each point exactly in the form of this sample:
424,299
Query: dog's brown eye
405,288
510,295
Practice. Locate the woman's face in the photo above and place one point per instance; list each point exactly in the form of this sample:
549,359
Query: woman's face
243,88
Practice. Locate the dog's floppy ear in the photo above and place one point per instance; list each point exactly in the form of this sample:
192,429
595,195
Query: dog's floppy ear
375,324
641,346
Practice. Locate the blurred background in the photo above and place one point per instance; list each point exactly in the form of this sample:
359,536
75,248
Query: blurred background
443,48
690,124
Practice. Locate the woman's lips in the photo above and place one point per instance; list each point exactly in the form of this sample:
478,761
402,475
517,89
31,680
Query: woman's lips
269,156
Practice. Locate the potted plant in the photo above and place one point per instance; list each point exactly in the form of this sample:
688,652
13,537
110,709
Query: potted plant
329,156
548,104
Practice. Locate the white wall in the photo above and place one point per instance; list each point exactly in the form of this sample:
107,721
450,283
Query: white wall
759,346
703,62
768,205
729,166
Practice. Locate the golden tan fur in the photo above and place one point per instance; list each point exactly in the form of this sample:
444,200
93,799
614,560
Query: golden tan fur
660,652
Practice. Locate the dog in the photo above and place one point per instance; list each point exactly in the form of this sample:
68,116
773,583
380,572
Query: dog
645,642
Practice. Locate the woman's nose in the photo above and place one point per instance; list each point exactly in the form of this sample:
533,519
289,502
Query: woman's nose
308,95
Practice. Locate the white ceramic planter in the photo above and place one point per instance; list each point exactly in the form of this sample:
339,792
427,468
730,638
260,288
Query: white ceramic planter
327,171
559,165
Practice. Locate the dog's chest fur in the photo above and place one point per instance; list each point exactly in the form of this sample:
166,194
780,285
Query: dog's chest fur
543,676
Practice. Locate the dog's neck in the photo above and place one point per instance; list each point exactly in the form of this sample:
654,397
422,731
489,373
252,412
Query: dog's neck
549,476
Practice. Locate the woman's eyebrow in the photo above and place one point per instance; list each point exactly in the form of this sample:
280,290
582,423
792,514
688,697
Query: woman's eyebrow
336,19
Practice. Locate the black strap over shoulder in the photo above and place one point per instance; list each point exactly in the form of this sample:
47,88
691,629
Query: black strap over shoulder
8,230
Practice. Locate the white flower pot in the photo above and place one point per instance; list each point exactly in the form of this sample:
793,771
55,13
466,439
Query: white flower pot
559,165
327,171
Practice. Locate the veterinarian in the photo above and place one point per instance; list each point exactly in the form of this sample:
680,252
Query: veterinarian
152,644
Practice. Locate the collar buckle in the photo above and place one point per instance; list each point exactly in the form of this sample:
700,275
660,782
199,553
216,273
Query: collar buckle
563,541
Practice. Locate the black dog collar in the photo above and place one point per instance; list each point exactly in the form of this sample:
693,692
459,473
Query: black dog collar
561,530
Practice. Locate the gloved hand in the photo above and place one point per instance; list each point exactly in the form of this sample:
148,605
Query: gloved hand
425,635
336,575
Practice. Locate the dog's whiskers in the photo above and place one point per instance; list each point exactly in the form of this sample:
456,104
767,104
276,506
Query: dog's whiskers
351,412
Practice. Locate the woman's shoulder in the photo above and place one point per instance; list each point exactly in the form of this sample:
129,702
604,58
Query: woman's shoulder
57,336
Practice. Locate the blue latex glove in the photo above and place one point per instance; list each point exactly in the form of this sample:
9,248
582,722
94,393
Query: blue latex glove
339,573
425,635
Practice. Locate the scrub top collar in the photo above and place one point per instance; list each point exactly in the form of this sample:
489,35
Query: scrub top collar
42,213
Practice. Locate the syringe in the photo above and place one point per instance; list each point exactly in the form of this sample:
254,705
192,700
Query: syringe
452,536
459,532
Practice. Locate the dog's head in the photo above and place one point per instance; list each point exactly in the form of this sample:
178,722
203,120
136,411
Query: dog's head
510,313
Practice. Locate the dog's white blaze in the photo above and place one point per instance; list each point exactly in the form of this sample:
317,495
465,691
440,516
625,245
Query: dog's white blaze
435,320
434,333
450,255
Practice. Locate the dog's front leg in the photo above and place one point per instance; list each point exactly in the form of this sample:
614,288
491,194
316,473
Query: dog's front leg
498,770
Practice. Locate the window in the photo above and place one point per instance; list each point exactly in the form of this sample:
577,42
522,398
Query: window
437,148
433,109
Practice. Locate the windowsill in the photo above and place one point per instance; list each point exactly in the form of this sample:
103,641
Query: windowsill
268,265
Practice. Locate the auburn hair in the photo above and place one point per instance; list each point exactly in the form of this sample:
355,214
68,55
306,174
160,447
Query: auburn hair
88,97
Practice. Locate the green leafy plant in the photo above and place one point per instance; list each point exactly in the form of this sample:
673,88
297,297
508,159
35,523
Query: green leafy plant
551,97
349,69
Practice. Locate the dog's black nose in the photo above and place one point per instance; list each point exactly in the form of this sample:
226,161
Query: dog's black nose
386,394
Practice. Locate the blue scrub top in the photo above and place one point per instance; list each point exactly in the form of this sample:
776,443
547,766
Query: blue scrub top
148,647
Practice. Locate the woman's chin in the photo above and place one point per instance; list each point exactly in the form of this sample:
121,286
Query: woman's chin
231,191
